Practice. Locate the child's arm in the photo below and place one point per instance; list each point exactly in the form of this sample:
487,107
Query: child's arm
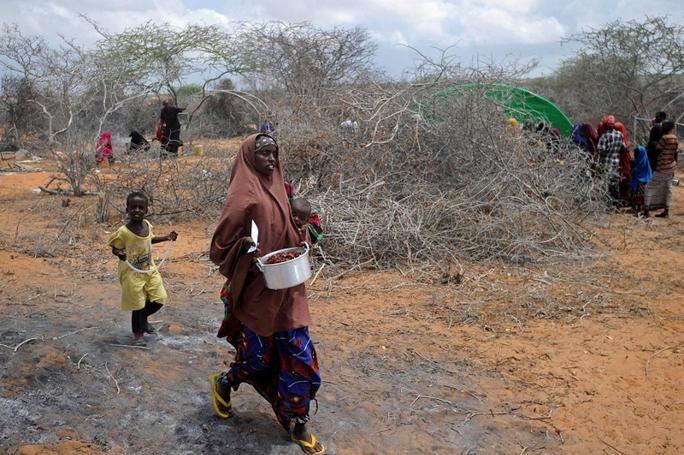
117,245
120,253
165,238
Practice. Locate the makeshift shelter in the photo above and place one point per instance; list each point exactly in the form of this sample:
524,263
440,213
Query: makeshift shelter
518,103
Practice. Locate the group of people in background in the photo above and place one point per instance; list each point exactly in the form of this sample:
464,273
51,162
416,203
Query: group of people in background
167,132
641,179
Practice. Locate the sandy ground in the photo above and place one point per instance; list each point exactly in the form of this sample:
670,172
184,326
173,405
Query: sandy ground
576,358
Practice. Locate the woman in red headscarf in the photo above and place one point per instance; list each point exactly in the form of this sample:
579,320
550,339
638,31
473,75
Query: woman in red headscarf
621,128
103,150
602,126
268,328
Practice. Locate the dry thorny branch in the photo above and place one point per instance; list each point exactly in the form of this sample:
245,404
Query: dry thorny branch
196,185
433,179
425,179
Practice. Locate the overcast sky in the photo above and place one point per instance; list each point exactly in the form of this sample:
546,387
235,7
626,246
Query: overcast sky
486,29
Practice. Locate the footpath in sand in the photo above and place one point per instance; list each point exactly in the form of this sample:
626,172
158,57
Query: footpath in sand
576,358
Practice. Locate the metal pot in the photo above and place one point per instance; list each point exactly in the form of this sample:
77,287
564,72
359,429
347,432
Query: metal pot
289,273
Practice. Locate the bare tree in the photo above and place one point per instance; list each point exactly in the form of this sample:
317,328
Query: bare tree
625,68
303,59
163,58
225,114
67,80
57,73
19,113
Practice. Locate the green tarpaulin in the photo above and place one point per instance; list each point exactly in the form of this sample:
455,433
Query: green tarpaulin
519,103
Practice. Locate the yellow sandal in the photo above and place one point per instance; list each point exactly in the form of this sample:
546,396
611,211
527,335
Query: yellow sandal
304,444
222,409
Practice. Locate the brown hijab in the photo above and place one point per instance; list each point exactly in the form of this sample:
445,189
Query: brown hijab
254,196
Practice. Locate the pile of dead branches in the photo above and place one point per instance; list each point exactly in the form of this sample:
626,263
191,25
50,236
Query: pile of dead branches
431,178
176,187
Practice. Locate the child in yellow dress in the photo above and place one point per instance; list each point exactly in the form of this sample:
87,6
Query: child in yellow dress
142,292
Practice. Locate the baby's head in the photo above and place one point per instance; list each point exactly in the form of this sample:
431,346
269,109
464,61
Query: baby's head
301,209
668,126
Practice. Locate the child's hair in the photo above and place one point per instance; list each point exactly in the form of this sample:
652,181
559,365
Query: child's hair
668,126
300,206
137,194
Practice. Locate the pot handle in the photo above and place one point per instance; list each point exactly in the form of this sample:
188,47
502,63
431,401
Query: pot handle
306,244
259,265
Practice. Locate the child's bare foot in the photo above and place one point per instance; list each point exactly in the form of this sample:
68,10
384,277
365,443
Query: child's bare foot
307,441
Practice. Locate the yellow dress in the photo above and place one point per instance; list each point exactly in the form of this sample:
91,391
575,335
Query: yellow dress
137,287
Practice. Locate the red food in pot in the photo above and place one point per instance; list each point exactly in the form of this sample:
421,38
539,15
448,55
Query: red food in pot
283,257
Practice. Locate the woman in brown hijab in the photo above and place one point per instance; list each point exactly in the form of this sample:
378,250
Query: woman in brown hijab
268,328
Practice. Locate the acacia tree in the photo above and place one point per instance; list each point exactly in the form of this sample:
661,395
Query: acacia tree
225,113
625,68
164,58
66,81
19,113
87,86
56,73
302,59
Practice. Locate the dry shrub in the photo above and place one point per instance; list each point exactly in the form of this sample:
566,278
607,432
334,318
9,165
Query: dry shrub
189,185
434,179
76,160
